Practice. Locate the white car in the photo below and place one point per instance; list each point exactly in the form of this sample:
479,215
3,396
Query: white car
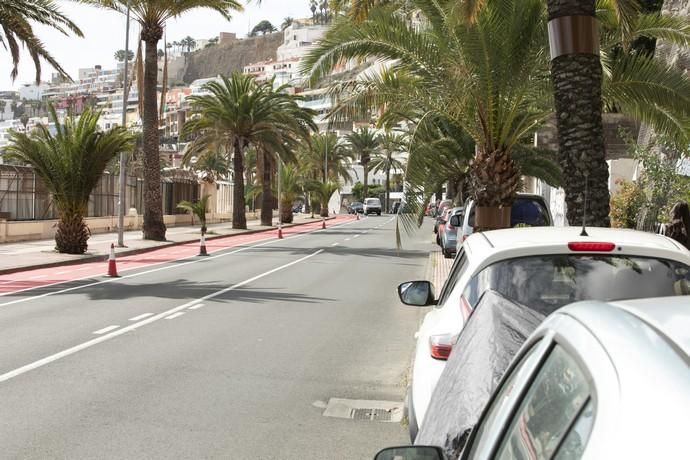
594,381
546,267
372,206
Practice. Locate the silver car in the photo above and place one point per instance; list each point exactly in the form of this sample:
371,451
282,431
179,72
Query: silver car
594,381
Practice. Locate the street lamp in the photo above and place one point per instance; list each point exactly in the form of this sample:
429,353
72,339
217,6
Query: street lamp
123,155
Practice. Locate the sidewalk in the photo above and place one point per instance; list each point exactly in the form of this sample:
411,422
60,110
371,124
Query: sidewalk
40,254
438,269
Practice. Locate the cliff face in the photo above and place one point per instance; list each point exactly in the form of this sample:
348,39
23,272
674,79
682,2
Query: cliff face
225,58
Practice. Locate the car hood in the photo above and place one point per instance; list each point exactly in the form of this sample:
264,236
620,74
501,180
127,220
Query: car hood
491,338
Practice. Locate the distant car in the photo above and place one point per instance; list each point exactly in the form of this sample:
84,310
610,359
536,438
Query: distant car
296,209
448,231
372,206
527,211
355,208
545,268
440,220
587,382
442,205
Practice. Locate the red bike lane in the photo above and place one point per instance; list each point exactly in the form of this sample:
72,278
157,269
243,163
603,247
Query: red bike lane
42,277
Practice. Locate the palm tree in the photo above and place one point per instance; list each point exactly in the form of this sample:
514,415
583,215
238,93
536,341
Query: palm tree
152,16
291,189
70,163
264,27
384,161
327,158
189,43
199,209
287,22
120,55
364,143
16,28
323,192
239,112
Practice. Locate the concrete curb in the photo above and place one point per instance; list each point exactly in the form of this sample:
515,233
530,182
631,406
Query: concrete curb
130,252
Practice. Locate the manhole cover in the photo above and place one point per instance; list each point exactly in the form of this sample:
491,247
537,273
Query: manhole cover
377,415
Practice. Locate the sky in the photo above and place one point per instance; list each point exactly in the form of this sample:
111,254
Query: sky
104,33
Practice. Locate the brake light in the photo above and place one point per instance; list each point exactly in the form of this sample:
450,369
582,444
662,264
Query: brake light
591,246
441,345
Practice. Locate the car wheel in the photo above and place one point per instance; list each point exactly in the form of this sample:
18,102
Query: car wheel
412,427
378,214
447,254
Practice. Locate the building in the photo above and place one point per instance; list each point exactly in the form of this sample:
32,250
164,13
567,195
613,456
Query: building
32,91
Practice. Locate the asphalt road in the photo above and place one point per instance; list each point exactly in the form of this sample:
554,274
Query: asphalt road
231,356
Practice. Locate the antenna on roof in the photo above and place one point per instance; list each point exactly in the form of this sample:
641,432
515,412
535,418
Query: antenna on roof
584,207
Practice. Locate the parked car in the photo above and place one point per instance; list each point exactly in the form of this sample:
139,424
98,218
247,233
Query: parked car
527,211
448,232
442,205
430,209
544,267
441,219
372,206
297,208
355,208
594,381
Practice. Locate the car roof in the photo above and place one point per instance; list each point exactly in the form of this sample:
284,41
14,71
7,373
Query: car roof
652,367
523,242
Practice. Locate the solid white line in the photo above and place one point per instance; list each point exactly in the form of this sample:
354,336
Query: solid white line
83,346
175,315
106,329
196,307
137,318
168,266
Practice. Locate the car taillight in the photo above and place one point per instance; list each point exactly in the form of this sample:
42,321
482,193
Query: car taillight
591,246
441,345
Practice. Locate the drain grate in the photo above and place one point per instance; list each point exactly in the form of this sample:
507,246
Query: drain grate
376,415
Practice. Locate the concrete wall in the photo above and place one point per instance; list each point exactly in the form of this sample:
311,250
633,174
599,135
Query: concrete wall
31,230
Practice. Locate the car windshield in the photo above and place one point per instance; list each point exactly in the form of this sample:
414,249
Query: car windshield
549,282
372,201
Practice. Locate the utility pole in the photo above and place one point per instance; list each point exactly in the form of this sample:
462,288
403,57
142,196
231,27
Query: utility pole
280,215
123,155
325,163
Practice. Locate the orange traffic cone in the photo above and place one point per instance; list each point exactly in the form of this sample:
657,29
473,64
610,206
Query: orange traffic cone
202,246
280,230
323,222
112,268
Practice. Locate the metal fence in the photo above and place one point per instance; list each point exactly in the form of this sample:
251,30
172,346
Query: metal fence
24,196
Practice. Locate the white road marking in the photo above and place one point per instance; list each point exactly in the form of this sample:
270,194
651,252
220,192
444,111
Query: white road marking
137,318
175,315
62,272
83,346
335,244
196,307
356,236
347,239
106,329
194,259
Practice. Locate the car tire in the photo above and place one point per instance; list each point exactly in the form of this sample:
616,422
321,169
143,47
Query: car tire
378,214
447,254
412,427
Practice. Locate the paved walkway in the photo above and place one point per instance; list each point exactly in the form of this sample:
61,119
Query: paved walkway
34,254
438,269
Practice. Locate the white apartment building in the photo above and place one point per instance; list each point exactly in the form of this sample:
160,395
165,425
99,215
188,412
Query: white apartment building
32,91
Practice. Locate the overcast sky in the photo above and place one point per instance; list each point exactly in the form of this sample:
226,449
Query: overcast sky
104,33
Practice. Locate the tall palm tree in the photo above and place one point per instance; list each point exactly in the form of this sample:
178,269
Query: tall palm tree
287,22
323,192
291,189
70,163
364,143
384,161
16,29
238,112
152,16
327,158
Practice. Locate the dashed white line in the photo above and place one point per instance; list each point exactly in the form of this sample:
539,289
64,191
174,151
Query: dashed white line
335,244
347,239
175,315
137,318
106,329
83,346
356,236
197,306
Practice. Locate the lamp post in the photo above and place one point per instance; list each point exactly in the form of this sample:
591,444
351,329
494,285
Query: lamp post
280,212
123,155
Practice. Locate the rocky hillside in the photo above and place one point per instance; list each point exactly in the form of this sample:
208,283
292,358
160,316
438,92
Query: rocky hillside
223,59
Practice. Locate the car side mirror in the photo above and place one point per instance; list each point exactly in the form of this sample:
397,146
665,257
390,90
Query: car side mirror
411,453
456,221
417,293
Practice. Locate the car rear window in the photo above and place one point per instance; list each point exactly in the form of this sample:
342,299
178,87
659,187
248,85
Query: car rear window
372,201
549,282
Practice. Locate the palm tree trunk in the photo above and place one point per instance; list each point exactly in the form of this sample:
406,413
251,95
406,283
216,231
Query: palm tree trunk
266,193
286,212
388,189
365,182
72,234
495,182
577,79
153,227
239,219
